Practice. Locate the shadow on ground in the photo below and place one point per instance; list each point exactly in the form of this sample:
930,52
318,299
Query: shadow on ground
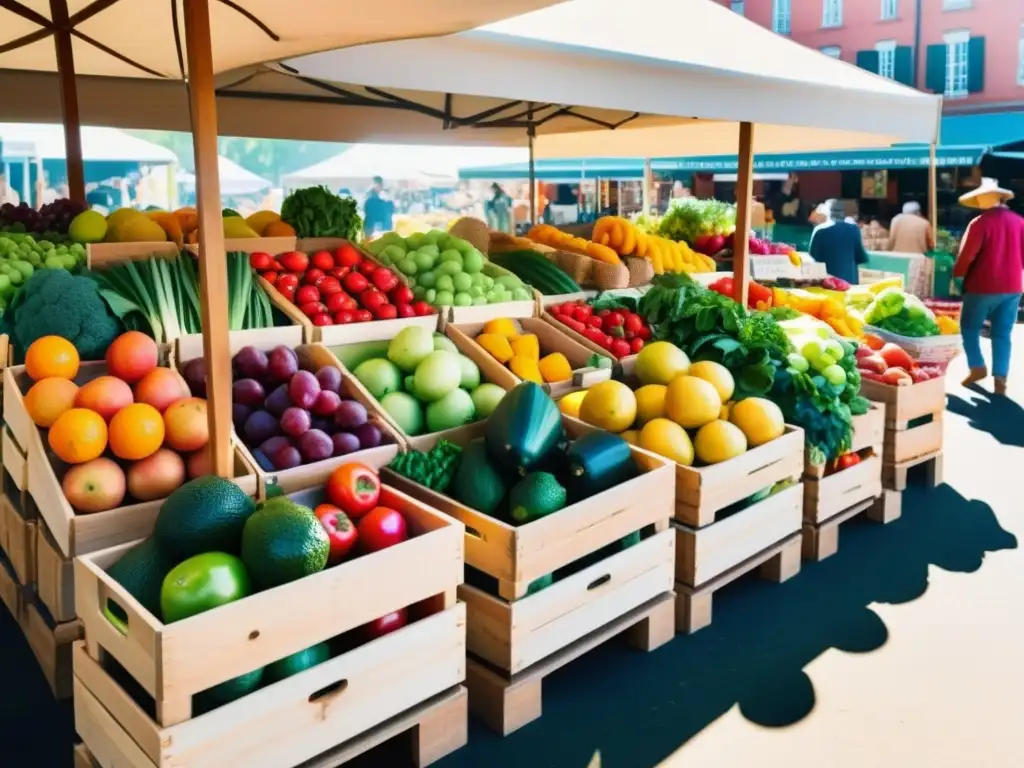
1000,417
638,708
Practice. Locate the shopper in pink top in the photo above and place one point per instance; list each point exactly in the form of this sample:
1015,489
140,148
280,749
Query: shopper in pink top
991,262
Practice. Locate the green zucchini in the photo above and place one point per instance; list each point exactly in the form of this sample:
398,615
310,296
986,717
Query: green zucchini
533,268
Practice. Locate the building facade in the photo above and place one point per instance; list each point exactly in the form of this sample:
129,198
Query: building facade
971,51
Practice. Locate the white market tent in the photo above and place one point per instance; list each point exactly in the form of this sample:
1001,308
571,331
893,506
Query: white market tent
417,164
46,142
234,179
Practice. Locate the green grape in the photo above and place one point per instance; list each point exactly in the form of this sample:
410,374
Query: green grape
444,298
463,300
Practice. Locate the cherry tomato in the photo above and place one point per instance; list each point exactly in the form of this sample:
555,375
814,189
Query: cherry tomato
371,298
381,528
261,261
581,313
422,308
595,321
613,320
340,272
294,261
400,294
367,267
322,260
322,319
406,310
344,317
311,308
386,311
355,282
384,280
270,277
347,256
636,344
288,292
329,286
288,281
633,323
619,347
846,461
307,293
363,316
384,625
355,488
644,333
341,533
313,277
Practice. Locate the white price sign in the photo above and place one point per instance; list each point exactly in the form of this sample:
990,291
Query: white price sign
772,267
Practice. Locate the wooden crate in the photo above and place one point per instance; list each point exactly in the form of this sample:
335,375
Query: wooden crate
518,555
83,757
906,403
481,314
712,556
309,475
702,492
821,540
15,463
584,375
624,365
344,705
174,661
99,255
55,577
868,432
826,498
18,541
506,703
13,593
913,429
51,645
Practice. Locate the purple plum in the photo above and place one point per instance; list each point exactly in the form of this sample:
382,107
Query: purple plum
195,376
260,426
326,403
251,363
282,364
345,442
286,457
248,392
303,389
329,378
350,414
369,435
315,445
295,421
278,401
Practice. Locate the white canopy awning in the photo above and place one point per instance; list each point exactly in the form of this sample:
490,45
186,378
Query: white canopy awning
46,142
234,179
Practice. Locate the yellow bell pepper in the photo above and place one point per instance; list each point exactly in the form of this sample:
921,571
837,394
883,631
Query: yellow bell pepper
555,367
526,369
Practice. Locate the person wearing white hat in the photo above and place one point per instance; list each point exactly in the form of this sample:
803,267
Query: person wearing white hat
991,262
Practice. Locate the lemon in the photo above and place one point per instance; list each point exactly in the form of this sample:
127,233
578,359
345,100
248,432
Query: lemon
650,403
717,375
760,420
719,441
88,227
691,402
570,404
726,410
631,436
660,363
668,439
610,405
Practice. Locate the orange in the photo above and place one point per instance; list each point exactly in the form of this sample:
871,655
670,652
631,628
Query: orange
136,431
78,435
51,356
49,398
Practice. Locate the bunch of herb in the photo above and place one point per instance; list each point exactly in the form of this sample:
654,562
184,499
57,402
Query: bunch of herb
688,218
434,469
318,212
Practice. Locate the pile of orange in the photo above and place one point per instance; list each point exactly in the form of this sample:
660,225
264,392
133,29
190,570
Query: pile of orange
87,416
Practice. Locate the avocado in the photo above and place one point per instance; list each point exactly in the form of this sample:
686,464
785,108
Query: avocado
141,571
523,429
228,691
282,542
478,484
203,515
297,662
597,462
536,495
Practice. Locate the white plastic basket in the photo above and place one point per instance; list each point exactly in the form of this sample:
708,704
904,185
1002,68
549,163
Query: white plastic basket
927,350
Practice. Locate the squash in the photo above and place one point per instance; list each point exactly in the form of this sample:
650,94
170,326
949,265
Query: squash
597,462
523,430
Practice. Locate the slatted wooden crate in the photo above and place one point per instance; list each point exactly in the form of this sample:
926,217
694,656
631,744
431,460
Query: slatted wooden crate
55,577
51,645
18,540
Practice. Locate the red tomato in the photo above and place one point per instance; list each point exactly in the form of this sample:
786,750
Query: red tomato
636,345
313,277
288,292
270,277
344,317
329,286
614,319
322,319
644,333
619,348
336,301
400,294
288,281
311,308
294,261
896,357
341,533
422,308
347,256
594,321
355,282
581,313
406,310
306,294
384,625
340,272
261,261
322,260
381,528
367,267
371,298
633,323
846,461
386,311
384,280
355,488
363,316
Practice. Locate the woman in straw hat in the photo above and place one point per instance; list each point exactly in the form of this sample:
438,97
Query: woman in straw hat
991,262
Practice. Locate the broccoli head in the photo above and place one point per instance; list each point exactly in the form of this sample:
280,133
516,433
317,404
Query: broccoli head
54,302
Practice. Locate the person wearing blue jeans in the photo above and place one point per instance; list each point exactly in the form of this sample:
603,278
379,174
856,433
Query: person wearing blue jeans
1000,309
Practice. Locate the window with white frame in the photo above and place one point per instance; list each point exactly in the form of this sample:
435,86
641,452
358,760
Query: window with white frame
887,58
956,63
890,9
737,7
780,16
832,50
1020,57
831,13
956,5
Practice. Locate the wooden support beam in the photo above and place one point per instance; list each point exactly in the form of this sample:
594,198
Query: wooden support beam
213,299
68,100
744,199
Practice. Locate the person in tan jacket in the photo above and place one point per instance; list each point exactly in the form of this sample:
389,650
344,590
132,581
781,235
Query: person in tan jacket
910,232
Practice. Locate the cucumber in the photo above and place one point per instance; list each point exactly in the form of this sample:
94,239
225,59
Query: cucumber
533,268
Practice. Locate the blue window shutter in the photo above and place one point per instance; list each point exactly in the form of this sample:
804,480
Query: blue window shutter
868,60
976,65
935,69
903,65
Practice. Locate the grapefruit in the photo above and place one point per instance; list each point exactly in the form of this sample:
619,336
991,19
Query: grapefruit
660,363
691,402
610,405
668,439
717,375
719,441
760,420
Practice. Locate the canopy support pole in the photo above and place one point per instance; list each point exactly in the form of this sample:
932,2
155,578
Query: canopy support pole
68,101
213,273
645,194
933,192
744,198
531,135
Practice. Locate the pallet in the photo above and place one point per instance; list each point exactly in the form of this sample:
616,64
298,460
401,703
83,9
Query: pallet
894,476
778,563
507,703
821,540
